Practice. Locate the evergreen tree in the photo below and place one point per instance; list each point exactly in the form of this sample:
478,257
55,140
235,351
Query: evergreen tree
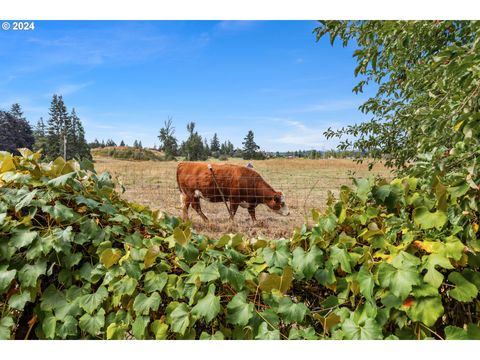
102,144
95,144
40,135
110,142
193,148
64,134
122,143
206,149
140,144
22,129
168,143
15,131
82,148
215,144
56,127
249,146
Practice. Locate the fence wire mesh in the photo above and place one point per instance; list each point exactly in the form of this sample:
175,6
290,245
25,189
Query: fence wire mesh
304,187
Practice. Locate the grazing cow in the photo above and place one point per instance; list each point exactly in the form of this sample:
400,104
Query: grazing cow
237,185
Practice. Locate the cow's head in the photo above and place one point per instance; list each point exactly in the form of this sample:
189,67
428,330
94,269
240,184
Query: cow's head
277,204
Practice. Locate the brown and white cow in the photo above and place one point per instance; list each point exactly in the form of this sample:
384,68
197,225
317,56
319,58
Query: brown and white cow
240,186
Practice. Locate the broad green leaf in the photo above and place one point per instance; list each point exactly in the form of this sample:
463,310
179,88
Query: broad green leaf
116,331
363,189
49,325
366,282
52,299
151,256
426,310
139,326
265,334
143,303
433,276
278,257
328,223
159,329
155,282
60,212
22,238
178,317
209,306
268,282
428,220
455,333
370,330
342,257
62,180
217,336
464,290
69,327
6,278
110,257
120,218
210,273
292,312
125,286
302,334
29,274
6,324
91,302
25,200
93,324
232,276
473,331
18,301
305,264
399,281
239,311
180,236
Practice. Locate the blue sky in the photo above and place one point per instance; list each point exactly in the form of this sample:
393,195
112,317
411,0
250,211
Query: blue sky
125,78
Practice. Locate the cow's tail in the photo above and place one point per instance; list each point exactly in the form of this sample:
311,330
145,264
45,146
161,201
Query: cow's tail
178,178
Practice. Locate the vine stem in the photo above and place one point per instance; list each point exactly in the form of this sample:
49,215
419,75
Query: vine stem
433,332
273,327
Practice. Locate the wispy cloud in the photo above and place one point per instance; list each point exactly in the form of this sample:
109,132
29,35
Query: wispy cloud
296,134
235,25
329,106
67,89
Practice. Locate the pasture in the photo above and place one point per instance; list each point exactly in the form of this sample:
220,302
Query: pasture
304,182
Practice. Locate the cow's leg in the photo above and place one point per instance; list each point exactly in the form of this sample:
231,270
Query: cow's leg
233,208
198,209
185,205
251,211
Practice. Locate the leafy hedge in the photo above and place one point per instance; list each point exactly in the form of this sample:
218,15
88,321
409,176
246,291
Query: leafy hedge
391,260
128,153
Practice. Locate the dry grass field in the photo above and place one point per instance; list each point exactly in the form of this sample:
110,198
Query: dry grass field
304,182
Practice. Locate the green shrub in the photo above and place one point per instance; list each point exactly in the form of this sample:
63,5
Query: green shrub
385,261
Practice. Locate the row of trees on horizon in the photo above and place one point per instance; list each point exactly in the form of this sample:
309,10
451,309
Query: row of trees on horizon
63,135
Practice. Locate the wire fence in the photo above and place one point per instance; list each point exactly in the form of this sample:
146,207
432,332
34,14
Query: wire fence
155,185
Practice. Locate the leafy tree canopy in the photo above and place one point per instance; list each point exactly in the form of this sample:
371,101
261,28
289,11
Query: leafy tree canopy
428,83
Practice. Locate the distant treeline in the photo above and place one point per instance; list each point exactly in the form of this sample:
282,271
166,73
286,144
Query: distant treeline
64,135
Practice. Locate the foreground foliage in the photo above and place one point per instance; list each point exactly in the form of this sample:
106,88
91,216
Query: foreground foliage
394,260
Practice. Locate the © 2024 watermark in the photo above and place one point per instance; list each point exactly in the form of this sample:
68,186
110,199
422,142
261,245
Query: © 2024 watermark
18,25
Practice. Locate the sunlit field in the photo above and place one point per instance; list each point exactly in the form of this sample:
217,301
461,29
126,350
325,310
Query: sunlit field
304,182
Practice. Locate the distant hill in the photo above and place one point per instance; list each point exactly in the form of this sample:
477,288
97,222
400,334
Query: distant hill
129,153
